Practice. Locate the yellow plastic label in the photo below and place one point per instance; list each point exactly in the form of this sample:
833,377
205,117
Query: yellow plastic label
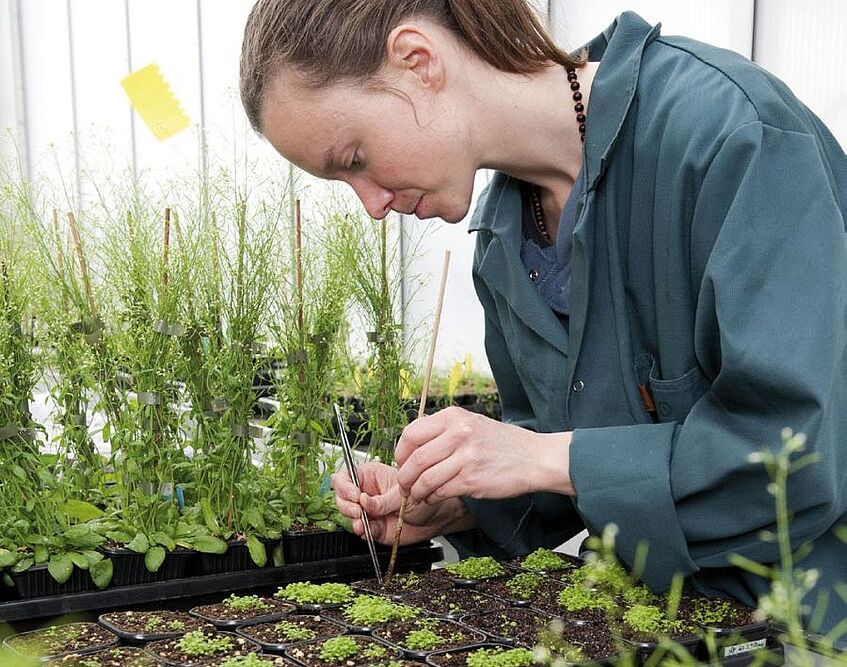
151,96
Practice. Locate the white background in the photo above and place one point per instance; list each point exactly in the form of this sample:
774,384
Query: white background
61,62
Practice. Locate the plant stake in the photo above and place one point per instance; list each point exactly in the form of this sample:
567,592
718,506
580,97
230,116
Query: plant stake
424,391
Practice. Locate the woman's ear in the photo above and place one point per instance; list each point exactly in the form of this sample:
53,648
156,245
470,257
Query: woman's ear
416,51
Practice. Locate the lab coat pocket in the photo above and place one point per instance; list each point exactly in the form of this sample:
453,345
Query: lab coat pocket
675,398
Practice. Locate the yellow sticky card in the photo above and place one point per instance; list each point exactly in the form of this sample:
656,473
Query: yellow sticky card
151,96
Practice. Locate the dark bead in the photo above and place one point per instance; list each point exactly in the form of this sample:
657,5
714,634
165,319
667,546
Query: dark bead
577,96
580,118
579,107
572,76
582,128
575,85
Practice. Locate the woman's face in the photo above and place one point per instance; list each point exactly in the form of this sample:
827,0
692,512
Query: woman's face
402,149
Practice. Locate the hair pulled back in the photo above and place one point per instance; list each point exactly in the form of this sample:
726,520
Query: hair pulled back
326,41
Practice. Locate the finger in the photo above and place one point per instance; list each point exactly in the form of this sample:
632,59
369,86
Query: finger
381,505
344,486
352,510
440,482
424,457
422,430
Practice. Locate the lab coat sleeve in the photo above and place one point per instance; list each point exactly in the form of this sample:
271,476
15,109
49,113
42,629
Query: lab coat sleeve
772,308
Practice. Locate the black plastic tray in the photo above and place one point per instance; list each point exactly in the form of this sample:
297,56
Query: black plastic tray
283,609
280,648
312,545
138,638
129,568
237,557
417,557
37,581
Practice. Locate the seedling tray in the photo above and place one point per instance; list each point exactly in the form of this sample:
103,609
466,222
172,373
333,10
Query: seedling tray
37,581
129,568
237,557
415,557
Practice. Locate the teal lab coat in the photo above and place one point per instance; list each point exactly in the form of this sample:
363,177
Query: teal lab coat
709,265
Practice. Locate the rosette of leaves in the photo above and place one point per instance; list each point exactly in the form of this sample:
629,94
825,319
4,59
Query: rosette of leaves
476,567
309,330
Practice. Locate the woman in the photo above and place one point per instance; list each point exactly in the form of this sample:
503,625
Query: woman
661,257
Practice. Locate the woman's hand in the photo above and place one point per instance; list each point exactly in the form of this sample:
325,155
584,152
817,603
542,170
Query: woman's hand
380,498
457,453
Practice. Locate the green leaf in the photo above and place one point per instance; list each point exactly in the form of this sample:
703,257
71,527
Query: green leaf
79,560
278,555
93,557
8,558
19,472
154,558
101,573
254,517
40,553
83,537
165,540
61,568
23,565
80,510
119,536
139,544
7,580
209,516
258,552
841,532
209,545
106,431
750,565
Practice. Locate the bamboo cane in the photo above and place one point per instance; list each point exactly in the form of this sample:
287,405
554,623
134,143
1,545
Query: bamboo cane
421,407
301,323
83,267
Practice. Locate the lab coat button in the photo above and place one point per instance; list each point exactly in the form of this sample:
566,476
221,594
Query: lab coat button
533,275
579,385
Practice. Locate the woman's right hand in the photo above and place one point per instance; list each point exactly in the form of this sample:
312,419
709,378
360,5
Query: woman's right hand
380,498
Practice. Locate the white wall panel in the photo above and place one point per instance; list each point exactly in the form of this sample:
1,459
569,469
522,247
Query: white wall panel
725,23
165,32
100,61
804,42
8,92
49,103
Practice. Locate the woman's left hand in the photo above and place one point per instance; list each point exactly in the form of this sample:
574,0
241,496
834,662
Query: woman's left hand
459,453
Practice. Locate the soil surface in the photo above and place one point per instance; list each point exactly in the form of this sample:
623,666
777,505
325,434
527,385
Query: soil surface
455,602
169,650
153,624
550,605
222,612
124,656
58,639
520,626
453,635
737,615
275,660
401,584
309,653
548,589
273,633
595,641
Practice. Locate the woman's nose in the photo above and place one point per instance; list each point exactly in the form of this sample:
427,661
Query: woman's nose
375,198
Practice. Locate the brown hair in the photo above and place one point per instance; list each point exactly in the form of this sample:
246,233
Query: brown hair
331,40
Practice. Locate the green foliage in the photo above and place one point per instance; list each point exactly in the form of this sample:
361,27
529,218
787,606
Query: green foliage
500,657
293,632
246,603
375,651
368,610
543,559
478,567
305,592
338,649
424,639
577,598
199,643
249,660
713,612
524,585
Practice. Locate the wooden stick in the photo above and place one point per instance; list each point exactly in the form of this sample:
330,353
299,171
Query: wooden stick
83,267
301,324
166,244
424,391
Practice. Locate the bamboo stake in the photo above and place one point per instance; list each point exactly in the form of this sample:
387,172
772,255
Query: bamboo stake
301,323
83,267
166,244
421,407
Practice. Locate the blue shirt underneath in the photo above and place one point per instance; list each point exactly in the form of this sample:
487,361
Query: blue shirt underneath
549,265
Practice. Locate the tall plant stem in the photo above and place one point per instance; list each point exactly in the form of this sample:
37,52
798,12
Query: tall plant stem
166,244
301,328
398,530
83,267
60,259
383,319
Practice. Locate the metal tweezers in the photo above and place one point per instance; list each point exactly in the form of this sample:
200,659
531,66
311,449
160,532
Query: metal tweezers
351,470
